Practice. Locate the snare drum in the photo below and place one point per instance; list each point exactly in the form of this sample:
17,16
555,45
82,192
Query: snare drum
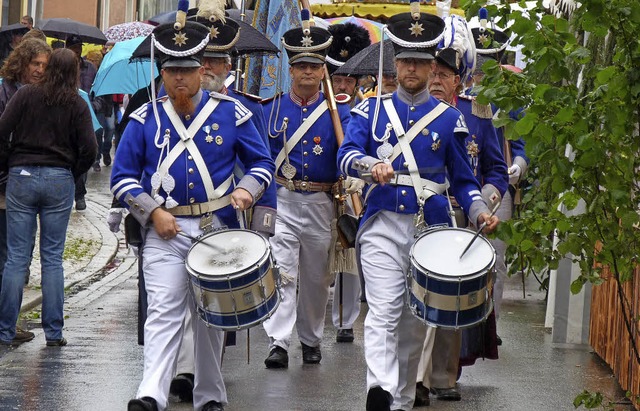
233,279
445,290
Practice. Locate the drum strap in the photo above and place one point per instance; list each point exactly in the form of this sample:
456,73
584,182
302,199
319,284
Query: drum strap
300,132
423,192
186,142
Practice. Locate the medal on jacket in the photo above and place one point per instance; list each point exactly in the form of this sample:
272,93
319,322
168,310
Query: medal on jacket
208,138
385,150
317,149
436,142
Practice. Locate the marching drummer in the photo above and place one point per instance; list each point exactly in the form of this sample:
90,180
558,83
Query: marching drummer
303,144
174,172
439,364
417,136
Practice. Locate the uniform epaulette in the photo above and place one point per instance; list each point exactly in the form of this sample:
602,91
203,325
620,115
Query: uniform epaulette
481,110
269,99
342,98
251,97
386,96
219,96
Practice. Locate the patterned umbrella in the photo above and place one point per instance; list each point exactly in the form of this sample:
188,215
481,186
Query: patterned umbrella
374,28
128,31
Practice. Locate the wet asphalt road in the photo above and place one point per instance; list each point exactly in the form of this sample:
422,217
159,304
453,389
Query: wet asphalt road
101,367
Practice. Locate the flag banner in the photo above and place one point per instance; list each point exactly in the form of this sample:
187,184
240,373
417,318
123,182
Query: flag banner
273,18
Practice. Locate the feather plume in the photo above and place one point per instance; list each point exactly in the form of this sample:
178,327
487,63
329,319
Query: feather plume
458,36
212,10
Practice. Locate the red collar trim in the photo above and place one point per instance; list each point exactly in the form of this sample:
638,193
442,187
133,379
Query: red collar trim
302,102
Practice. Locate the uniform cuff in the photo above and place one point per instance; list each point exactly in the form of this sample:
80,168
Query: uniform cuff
477,208
253,186
141,207
491,195
364,165
263,220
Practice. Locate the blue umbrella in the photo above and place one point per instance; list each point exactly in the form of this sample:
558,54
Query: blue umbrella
117,75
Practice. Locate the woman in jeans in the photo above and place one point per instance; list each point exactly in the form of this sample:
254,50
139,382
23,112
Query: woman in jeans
46,140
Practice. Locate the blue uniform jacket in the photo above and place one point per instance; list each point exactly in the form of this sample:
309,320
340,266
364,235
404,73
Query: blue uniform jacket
484,151
311,163
439,145
137,156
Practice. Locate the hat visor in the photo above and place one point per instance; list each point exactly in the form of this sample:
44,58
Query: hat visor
412,54
306,59
183,62
215,54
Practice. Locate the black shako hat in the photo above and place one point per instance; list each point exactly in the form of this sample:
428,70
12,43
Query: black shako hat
181,47
449,57
223,35
348,39
415,35
306,44
490,42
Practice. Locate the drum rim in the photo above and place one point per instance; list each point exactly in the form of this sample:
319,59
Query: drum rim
445,277
224,277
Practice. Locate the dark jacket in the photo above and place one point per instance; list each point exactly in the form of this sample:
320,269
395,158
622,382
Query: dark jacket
7,90
51,136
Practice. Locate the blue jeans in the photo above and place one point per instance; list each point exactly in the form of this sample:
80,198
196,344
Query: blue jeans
105,136
31,192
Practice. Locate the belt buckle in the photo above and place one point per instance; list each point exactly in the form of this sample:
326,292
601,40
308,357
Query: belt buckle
395,181
304,186
195,209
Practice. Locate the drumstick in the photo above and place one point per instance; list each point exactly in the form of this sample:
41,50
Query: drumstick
420,171
195,240
482,226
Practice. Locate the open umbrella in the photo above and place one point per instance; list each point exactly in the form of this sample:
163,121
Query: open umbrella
374,28
163,18
366,61
118,75
13,29
62,28
128,31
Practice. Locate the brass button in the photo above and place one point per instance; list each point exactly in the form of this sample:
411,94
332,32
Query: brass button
304,141
192,200
136,205
401,208
405,164
130,201
411,122
412,108
191,171
190,158
306,165
304,110
306,178
305,153
142,211
187,117
191,185
403,192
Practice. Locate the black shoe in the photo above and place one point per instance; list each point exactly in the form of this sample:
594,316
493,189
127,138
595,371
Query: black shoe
22,336
96,167
422,396
311,355
142,404
378,400
213,406
345,335
106,159
278,358
81,204
498,340
57,343
446,394
182,387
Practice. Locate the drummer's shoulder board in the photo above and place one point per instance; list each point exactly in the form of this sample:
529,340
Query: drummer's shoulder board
242,113
477,109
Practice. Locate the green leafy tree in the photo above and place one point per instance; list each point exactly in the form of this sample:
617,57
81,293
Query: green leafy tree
581,95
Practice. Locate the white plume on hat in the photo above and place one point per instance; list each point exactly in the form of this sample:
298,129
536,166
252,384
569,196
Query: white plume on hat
213,10
458,36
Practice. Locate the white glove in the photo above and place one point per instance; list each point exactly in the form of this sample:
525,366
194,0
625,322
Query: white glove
514,174
352,185
114,218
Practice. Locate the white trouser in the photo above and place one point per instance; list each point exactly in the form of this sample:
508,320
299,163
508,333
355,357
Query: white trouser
350,300
301,249
167,281
185,355
392,335
504,213
438,366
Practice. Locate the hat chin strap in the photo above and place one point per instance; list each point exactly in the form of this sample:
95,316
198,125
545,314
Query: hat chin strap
408,44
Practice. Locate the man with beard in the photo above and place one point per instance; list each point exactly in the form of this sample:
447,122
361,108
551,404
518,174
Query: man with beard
428,153
303,142
174,177
217,63
439,363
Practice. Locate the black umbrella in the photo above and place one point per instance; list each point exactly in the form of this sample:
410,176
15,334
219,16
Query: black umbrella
251,42
7,33
366,61
163,18
62,28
